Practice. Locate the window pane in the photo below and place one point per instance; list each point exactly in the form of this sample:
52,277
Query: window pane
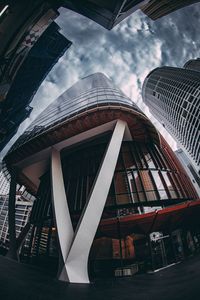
169,185
127,157
132,187
137,181
120,183
159,184
121,188
148,185
123,199
138,186
149,159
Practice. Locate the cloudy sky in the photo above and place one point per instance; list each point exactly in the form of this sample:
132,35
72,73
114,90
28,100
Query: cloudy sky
126,54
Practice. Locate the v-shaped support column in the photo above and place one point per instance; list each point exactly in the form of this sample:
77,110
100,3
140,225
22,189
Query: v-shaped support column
75,247
61,210
77,260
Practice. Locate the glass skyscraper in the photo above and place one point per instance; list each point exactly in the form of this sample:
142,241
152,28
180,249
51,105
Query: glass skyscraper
193,64
27,77
173,97
110,193
189,169
156,9
106,13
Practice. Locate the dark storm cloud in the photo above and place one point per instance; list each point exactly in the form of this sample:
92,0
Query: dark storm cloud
126,54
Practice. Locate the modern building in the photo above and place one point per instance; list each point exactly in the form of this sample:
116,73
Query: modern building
156,9
35,67
23,206
193,64
4,182
21,25
173,97
22,212
111,196
195,178
106,13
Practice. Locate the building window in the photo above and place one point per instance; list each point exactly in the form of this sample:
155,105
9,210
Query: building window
185,113
191,98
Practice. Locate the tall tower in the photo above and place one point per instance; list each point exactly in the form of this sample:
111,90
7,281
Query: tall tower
4,182
156,9
23,205
193,64
106,13
100,172
35,66
173,97
189,169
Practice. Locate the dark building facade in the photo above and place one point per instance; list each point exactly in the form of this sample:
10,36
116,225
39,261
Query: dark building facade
156,9
39,61
23,208
172,95
193,64
24,15
21,25
111,196
106,13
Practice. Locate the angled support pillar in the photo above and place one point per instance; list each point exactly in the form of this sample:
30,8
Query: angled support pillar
12,252
77,260
61,210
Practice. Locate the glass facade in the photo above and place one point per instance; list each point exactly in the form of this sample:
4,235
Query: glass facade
23,208
35,67
148,192
156,9
91,92
143,182
173,94
105,13
142,175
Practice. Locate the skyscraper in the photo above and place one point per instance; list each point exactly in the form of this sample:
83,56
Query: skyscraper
106,13
27,79
193,64
104,181
195,178
156,9
4,182
23,208
23,205
173,97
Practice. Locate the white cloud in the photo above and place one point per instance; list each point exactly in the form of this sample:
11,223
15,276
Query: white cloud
126,54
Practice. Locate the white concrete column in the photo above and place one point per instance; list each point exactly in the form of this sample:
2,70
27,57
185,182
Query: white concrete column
61,211
77,259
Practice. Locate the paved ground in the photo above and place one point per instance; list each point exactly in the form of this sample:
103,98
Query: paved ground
24,282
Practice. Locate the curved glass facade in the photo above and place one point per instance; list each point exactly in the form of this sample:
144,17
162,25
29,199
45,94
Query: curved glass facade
145,179
156,9
93,145
143,175
173,94
193,64
91,92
